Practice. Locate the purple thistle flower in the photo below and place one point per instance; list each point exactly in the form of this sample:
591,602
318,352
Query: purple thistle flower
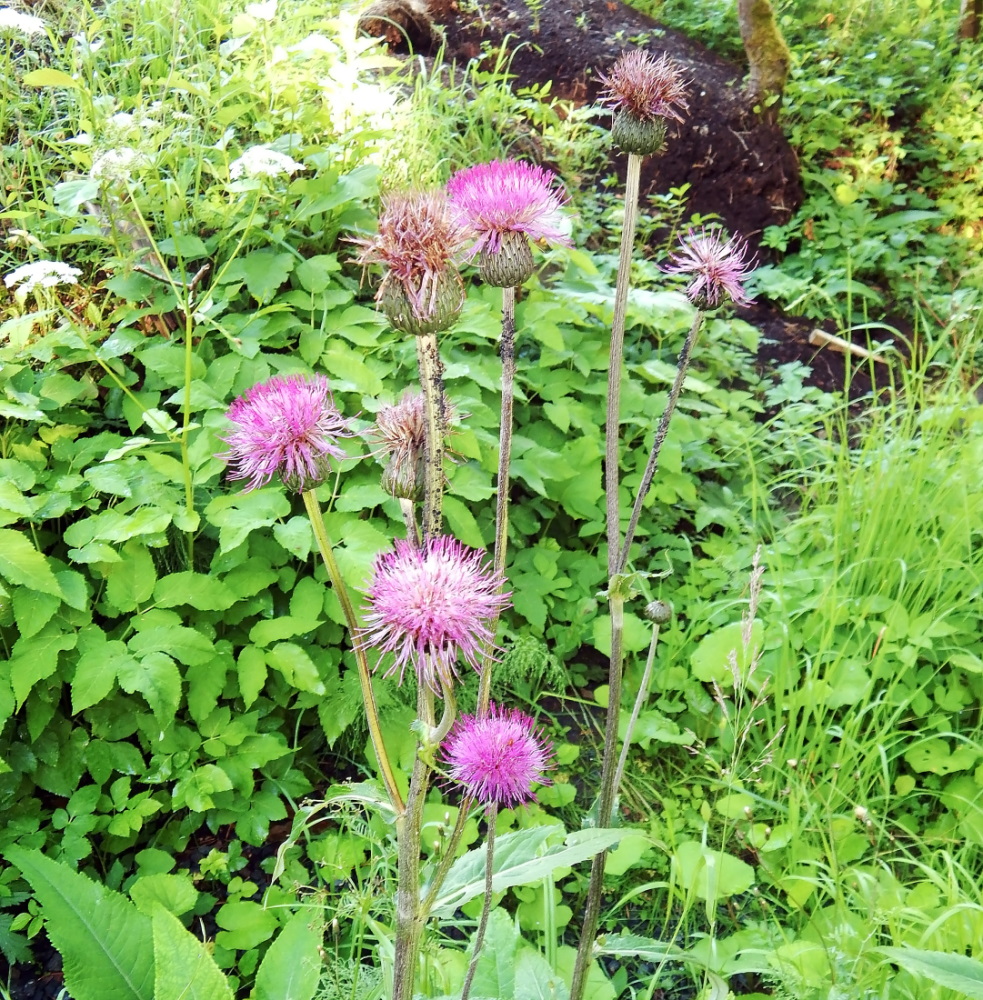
504,204
645,87
286,426
431,604
497,758
718,267
417,241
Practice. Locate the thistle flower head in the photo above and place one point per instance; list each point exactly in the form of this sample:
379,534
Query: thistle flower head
503,205
497,757
417,242
718,267
401,431
430,605
41,274
643,93
287,426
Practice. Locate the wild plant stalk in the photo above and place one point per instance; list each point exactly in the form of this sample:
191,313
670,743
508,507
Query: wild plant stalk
324,546
507,353
431,381
491,815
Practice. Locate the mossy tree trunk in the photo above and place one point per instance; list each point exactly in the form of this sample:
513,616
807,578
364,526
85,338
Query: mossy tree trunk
768,56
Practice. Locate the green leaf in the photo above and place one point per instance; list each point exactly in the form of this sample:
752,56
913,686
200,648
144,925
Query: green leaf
33,610
184,644
520,859
251,667
246,925
462,523
96,673
314,274
956,972
35,659
175,893
722,651
237,515
535,980
711,874
203,592
50,78
23,565
156,677
494,974
291,969
263,271
130,581
635,946
185,245
105,942
297,667
185,967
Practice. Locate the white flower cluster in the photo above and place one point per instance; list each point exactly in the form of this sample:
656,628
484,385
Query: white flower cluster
116,165
42,274
25,24
261,161
265,11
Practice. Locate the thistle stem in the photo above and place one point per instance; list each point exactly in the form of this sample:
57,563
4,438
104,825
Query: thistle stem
410,916
660,437
364,676
491,815
643,690
431,381
507,353
615,360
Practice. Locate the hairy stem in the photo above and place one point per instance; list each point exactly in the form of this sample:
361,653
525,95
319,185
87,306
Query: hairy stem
491,814
364,675
410,915
435,413
507,353
660,436
643,690
616,356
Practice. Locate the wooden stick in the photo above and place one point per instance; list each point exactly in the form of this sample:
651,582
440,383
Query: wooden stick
820,338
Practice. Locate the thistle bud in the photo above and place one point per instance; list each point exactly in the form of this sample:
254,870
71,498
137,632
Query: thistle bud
658,612
511,265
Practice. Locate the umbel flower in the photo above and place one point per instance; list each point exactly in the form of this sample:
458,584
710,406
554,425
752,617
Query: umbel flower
505,204
42,274
417,242
643,92
261,161
498,757
718,267
25,24
289,427
430,605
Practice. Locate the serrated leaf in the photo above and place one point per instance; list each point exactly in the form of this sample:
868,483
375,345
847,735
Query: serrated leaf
185,644
185,967
205,683
36,659
263,271
297,667
96,672
520,859
275,629
105,942
203,592
291,968
23,565
251,667
156,677
130,581
33,610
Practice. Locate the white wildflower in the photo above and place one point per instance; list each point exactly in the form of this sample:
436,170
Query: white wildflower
42,274
261,161
315,42
116,164
25,24
262,11
87,48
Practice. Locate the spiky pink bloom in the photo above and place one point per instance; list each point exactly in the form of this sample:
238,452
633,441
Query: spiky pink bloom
430,605
417,243
497,758
287,426
718,267
645,87
508,196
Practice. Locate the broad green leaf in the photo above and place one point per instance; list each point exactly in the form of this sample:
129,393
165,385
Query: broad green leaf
176,893
276,629
291,968
33,610
251,667
520,859
156,677
494,974
712,875
206,593
246,925
314,274
263,271
185,967
205,684
535,980
50,78
35,659
185,245
722,652
96,673
635,946
954,971
297,667
237,515
462,523
23,565
184,644
105,942
130,582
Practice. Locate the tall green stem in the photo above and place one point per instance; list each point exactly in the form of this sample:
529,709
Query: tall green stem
491,815
189,496
410,915
431,381
660,437
612,435
507,353
364,675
